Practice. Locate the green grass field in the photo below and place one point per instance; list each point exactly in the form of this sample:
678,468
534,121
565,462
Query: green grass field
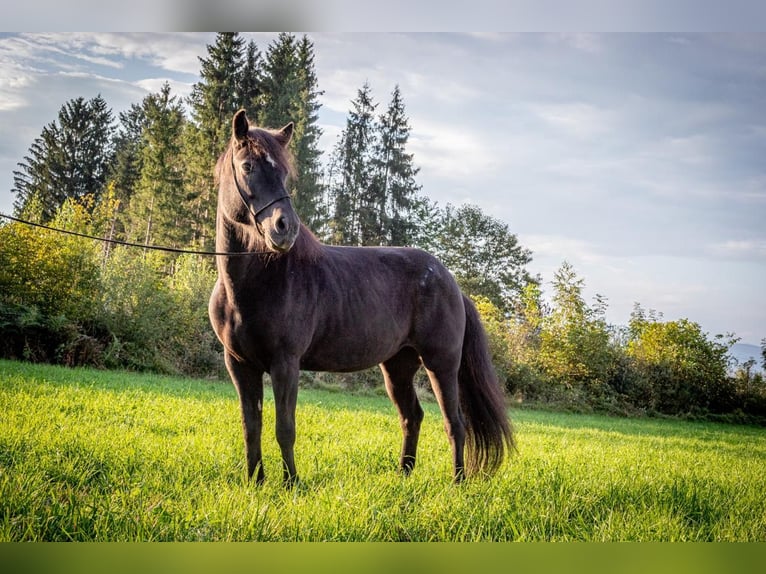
97,455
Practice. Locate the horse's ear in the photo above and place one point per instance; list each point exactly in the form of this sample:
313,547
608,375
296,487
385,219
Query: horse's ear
239,126
285,134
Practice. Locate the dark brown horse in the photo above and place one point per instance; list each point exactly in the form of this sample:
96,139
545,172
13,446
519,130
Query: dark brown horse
295,304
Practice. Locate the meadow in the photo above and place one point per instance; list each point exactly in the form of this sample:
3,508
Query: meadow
93,455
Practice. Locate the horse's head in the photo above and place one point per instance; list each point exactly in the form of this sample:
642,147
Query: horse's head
253,174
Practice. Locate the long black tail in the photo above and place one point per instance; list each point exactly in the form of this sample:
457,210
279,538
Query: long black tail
488,429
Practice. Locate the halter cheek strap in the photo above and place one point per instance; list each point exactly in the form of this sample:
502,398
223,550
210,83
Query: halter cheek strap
255,212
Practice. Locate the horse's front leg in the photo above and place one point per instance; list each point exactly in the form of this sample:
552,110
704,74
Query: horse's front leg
284,380
249,384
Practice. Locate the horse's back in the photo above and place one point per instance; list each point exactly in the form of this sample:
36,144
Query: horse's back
378,300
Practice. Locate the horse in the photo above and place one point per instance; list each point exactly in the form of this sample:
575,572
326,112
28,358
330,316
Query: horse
284,302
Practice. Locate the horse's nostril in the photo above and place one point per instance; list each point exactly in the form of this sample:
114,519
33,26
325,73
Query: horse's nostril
281,225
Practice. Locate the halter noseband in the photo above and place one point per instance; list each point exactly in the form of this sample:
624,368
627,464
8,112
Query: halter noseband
244,197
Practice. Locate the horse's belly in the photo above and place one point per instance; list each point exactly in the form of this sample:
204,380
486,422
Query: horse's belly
342,355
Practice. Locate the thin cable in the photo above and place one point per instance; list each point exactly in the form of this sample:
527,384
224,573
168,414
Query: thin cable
129,244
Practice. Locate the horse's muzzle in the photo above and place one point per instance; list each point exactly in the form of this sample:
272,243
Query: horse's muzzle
281,229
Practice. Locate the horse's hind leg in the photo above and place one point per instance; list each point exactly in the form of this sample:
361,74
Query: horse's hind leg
398,373
444,384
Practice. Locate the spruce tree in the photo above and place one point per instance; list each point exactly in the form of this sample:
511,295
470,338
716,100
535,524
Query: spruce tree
126,167
70,159
308,187
290,93
280,83
159,210
354,207
229,80
216,98
250,80
394,180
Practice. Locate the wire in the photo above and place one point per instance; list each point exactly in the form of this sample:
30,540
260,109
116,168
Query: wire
129,244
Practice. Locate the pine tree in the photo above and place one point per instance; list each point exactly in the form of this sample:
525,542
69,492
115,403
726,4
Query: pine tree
216,98
250,81
126,167
394,181
70,159
354,221
230,80
159,210
308,187
199,186
280,83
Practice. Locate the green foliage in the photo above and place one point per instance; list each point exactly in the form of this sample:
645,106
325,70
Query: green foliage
102,456
686,369
567,356
66,299
157,319
394,175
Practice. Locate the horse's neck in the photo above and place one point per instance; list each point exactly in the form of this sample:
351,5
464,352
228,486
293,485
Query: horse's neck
232,237
235,237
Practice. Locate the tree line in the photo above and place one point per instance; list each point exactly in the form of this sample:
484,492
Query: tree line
147,177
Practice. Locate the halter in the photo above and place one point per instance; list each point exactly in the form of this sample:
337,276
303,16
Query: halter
244,197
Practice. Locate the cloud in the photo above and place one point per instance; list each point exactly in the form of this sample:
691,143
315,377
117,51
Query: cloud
171,52
451,151
14,83
740,249
578,119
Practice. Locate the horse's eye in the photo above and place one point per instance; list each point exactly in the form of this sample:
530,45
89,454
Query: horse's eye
247,167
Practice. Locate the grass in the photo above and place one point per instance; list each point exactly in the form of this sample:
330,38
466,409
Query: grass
97,455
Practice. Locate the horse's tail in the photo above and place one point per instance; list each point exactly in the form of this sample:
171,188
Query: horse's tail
488,430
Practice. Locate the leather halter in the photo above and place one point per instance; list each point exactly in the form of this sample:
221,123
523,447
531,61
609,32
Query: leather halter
255,212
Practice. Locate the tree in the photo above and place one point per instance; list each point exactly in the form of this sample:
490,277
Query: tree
290,93
250,81
69,160
682,369
280,83
485,257
308,187
575,349
394,176
159,210
126,167
354,220
217,96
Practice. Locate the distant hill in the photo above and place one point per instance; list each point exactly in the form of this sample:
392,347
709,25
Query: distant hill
743,351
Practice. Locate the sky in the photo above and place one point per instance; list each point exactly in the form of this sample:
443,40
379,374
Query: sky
637,158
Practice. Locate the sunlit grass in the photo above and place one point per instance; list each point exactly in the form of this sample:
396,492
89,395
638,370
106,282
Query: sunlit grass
94,455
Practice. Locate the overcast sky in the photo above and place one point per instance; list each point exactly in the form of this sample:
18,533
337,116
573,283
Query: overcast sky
638,158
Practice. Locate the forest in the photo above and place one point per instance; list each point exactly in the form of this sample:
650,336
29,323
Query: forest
146,177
